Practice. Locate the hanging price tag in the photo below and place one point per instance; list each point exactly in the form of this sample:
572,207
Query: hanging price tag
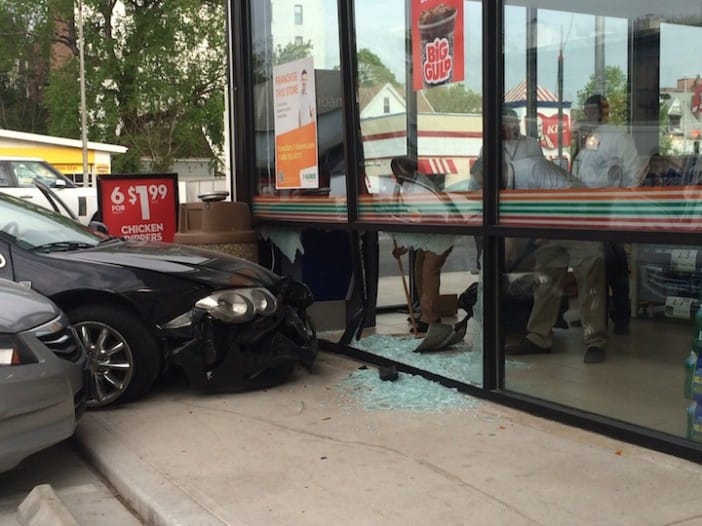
677,307
683,260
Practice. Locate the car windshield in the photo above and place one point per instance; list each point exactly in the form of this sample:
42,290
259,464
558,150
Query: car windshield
31,226
26,172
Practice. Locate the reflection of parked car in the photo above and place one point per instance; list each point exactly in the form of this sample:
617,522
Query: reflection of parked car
18,175
42,368
139,307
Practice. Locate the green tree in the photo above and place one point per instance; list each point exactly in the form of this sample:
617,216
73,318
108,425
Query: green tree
155,74
24,59
615,91
454,98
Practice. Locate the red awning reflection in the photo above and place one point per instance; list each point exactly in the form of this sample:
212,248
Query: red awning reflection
437,165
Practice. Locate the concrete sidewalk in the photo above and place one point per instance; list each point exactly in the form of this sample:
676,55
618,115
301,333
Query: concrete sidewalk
307,453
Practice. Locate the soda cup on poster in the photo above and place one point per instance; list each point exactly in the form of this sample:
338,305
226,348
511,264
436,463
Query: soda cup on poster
437,27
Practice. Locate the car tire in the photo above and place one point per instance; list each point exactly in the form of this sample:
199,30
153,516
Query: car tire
131,367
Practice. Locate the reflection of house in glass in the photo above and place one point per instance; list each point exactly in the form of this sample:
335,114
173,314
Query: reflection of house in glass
447,143
681,116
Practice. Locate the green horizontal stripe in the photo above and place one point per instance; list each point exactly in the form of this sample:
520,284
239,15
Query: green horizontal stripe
300,209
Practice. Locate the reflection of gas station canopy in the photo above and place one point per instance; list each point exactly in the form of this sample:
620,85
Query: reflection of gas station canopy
517,96
547,115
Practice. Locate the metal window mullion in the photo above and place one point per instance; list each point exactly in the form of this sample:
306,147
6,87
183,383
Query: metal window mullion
493,248
353,151
243,150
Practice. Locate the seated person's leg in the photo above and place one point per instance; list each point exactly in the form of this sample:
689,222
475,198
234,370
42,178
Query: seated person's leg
589,269
617,271
551,263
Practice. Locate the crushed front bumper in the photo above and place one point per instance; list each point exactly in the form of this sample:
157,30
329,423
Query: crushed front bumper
235,356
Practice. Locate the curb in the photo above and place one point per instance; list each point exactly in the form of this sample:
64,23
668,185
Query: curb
154,498
42,506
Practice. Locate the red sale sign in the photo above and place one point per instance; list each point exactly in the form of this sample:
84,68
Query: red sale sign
141,207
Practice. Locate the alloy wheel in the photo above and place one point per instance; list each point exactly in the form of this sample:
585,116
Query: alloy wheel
111,361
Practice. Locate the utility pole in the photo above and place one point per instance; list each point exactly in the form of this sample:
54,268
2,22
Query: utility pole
83,112
560,104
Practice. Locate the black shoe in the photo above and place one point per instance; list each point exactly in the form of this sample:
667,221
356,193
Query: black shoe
423,326
561,323
526,346
595,355
621,328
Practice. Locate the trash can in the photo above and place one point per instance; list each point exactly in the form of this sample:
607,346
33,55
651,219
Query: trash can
219,225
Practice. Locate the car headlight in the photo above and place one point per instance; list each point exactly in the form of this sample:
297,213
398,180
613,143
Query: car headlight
238,305
13,351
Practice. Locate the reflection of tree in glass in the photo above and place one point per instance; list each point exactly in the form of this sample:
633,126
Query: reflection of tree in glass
454,98
263,66
372,71
615,90
292,51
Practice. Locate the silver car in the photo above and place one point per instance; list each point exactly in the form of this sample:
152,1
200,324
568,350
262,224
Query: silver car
43,368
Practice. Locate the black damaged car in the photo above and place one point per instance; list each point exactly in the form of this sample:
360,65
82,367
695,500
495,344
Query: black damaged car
141,307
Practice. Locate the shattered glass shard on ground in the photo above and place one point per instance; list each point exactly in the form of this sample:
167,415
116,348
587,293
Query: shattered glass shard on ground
409,392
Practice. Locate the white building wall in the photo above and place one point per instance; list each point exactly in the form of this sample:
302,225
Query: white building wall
313,28
376,107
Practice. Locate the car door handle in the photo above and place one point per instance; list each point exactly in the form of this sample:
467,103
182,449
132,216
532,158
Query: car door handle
26,197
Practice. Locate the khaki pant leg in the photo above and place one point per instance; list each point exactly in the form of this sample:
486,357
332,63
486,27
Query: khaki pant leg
418,272
589,269
431,285
551,264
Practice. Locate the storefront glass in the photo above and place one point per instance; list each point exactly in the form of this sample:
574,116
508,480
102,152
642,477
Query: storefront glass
452,346
420,109
423,102
601,126
616,113
555,294
608,103
300,171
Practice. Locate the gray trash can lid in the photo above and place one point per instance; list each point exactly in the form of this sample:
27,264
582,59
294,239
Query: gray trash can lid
213,196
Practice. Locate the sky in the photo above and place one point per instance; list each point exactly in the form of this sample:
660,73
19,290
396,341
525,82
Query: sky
380,27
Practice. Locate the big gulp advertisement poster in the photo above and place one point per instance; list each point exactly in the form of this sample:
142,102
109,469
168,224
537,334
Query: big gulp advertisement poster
437,42
295,125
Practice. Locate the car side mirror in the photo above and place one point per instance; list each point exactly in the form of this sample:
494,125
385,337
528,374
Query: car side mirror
99,226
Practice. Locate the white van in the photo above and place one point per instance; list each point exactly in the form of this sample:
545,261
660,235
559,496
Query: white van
17,177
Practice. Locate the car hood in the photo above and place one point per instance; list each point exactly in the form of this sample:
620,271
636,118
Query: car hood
28,309
204,266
